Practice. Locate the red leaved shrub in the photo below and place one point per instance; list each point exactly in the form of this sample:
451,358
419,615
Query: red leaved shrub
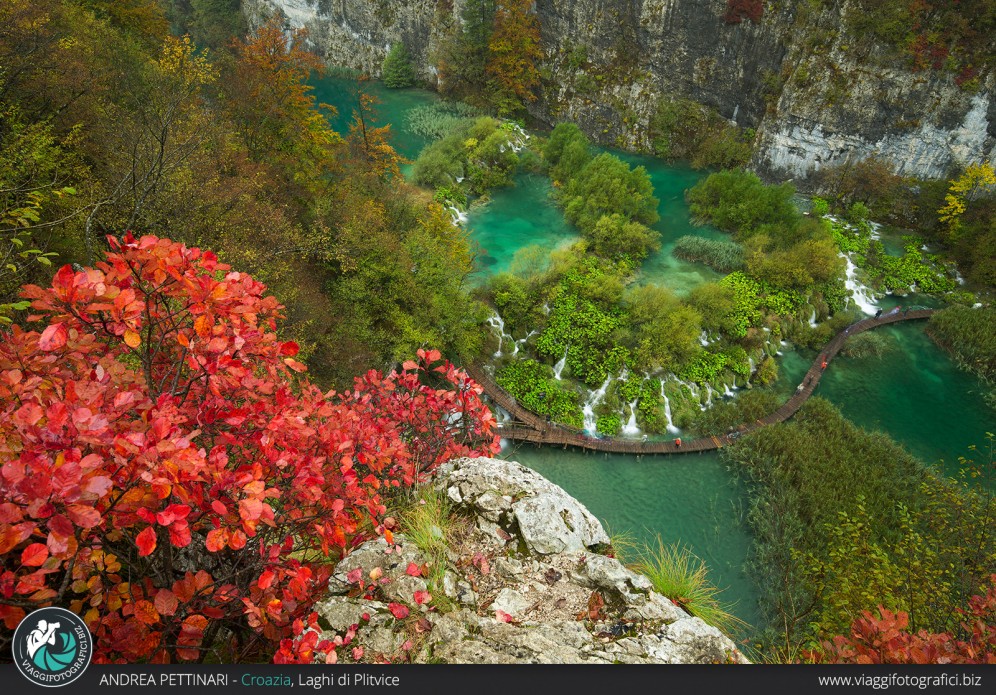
886,639
169,475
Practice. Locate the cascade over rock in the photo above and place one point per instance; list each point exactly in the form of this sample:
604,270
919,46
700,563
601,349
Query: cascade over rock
810,108
521,585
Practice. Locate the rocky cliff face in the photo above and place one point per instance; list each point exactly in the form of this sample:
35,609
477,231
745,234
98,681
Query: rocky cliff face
609,62
527,584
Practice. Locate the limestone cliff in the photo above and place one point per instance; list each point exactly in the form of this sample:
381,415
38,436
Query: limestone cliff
813,97
525,584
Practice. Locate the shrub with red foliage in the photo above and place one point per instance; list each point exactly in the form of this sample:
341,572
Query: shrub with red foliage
167,471
886,639
739,10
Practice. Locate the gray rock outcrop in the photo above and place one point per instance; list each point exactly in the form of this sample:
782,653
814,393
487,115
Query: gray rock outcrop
527,584
608,63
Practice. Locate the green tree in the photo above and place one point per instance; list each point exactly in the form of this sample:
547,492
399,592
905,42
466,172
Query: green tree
397,70
615,238
665,330
607,185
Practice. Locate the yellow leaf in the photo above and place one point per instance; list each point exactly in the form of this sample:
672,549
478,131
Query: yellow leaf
132,339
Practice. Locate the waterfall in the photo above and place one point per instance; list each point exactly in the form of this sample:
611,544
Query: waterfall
812,319
861,295
727,392
630,429
704,339
522,341
709,393
736,110
753,367
559,367
459,216
496,322
667,412
503,416
594,398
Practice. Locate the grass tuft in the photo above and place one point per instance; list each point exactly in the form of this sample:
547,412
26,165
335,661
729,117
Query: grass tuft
677,573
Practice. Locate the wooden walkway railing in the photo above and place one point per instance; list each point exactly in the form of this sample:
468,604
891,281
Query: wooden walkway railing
530,427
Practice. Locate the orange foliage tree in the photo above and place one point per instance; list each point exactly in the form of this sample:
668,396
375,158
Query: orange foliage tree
169,473
271,105
514,49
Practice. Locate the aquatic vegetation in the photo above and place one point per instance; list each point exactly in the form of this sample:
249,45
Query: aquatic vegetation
969,335
724,256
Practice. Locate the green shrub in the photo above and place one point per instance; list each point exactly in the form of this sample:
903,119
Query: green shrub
844,520
607,186
609,424
684,129
869,344
737,201
533,385
615,238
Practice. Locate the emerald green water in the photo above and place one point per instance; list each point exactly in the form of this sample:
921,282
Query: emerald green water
691,500
391,109
915,392
518,216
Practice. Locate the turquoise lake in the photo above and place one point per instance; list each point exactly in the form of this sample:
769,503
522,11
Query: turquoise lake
914,392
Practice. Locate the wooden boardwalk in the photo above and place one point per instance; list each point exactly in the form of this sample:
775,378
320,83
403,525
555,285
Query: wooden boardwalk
530,427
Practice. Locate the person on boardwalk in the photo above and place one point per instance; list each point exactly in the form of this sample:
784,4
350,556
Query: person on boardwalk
677,442
878,313
824,363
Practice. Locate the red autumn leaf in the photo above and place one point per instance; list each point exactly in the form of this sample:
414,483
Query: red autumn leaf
146,612
216,540
34,555
179,534
503,617
166,602
289,349
53,337
146,542
354,576
265,579
422,597
218,507
357,653
398,611
295,365
413,570
83,516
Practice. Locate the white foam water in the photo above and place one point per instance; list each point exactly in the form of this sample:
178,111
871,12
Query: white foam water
667,412
862,296
559,367
594,398
631,429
